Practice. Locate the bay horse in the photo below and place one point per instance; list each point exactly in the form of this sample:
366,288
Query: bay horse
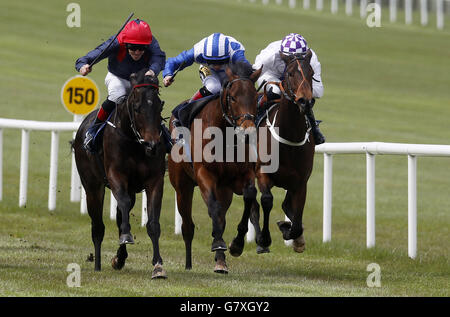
130,160
288,125
217,180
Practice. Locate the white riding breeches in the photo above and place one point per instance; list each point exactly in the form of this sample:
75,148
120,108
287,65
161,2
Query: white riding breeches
117,87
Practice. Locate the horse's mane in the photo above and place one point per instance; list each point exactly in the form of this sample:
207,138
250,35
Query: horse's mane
242,69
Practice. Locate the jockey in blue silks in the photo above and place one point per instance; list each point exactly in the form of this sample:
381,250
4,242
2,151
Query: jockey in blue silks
213,53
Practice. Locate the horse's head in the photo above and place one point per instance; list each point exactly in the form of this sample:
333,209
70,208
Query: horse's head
239,97
297,83
144,110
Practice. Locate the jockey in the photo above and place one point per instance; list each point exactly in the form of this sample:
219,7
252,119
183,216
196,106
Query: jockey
274,68
134,48
213,53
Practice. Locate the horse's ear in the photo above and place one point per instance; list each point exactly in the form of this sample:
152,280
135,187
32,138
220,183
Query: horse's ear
133,79
255,75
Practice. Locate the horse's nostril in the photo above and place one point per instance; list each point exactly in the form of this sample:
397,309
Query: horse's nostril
302,101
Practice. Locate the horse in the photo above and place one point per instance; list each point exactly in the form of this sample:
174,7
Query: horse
217,180
288,125
130,159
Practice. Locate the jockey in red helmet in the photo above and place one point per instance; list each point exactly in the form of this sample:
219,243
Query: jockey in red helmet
134,48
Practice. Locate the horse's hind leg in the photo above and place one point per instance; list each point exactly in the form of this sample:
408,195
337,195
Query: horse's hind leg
251,209
184,203
154,194
94,201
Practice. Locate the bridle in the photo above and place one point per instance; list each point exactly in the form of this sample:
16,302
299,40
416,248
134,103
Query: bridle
288,92
227,111
131,116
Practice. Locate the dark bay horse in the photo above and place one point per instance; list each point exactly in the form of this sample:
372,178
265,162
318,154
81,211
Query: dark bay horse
289,126
217,180
131,159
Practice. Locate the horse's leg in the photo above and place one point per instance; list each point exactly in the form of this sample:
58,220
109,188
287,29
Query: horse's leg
265,240
94,201
293,206
154,194
118,261
250,203
184,203
125,202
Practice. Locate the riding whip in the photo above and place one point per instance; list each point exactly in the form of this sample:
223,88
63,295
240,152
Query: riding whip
96,59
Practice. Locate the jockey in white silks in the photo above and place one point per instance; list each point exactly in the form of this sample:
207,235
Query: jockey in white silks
274,68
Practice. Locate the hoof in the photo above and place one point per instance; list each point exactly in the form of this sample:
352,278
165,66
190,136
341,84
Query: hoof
235,249
221,269
299,244
261,250
117,264
159,272
126,239
218,246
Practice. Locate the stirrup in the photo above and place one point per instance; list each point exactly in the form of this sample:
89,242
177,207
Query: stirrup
88,140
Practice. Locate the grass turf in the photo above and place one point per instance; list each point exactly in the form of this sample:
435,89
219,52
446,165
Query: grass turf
383,84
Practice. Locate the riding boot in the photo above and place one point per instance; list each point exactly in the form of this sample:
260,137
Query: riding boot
202,92
319,138
103,113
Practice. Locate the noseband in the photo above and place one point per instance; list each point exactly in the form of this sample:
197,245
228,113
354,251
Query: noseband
226,108
137,135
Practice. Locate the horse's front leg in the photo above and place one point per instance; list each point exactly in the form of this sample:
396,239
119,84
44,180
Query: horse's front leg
118,261
154,200
125,202
217,199
265,184
293,206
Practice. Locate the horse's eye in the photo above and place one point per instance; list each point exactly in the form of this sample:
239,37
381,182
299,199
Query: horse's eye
233,99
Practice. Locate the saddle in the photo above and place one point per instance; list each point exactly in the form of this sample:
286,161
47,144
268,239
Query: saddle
186,111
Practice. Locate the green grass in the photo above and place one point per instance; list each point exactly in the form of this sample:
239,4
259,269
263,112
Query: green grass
386,84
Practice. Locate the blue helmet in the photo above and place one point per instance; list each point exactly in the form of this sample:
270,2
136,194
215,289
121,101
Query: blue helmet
216,49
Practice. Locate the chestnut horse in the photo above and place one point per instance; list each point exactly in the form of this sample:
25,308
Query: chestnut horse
217,180
289,126
131,159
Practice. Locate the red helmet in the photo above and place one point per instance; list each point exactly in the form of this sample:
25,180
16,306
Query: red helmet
136,32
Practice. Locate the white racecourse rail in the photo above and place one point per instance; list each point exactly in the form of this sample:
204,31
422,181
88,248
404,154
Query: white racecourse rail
426,7
370,149
55,127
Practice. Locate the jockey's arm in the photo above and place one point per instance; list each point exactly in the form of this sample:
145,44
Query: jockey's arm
317,78
157,58
173,63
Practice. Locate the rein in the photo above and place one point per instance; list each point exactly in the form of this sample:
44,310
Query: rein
232,120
